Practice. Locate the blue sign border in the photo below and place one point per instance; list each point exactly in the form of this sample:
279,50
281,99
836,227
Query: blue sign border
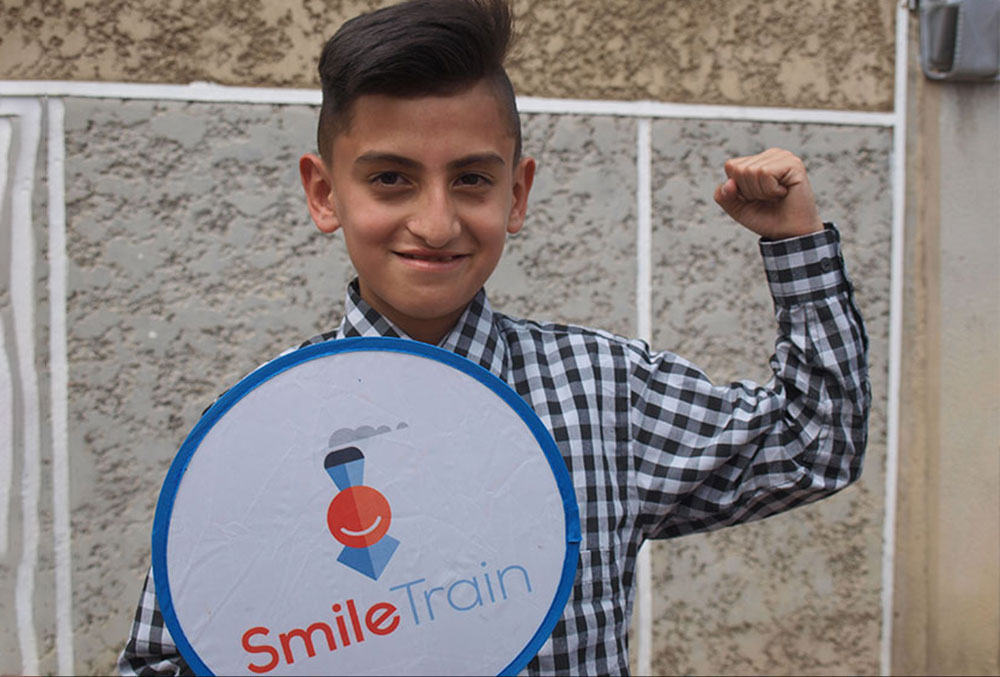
165,503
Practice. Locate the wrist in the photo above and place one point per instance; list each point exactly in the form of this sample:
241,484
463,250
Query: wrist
810,228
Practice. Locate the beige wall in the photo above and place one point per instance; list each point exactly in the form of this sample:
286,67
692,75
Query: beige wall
802,53
947,610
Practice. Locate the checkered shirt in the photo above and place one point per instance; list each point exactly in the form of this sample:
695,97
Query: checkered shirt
653,448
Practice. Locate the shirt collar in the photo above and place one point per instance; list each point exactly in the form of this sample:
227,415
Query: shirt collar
474,336
360,319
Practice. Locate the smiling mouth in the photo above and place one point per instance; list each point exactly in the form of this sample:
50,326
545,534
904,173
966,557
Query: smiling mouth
363,532
432,258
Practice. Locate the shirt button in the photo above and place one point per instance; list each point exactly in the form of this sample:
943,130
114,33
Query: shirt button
827,265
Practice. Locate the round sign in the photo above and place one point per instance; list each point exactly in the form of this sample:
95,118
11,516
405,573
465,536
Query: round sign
365,506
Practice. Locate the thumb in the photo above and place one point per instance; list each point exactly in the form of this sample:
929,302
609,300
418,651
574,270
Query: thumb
727,195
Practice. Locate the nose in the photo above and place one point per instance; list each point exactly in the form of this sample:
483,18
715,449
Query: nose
436,222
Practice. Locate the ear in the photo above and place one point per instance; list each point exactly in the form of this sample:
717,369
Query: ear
524,176
319,192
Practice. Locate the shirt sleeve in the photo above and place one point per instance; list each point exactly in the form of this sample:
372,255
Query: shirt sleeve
707,456
150,649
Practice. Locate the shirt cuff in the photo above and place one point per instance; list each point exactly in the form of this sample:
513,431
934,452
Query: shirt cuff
806,268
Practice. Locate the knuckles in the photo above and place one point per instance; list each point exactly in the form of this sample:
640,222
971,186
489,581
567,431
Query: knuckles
765,175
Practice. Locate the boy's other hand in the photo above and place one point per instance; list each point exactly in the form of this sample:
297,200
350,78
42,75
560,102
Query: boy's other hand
769,193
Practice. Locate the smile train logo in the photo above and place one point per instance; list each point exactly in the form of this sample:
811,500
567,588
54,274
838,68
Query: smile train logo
358,516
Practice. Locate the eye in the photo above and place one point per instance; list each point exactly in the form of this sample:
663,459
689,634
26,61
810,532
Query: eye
387,179
473,180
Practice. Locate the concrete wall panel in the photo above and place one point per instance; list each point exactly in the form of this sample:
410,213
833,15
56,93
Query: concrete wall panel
802,53
797,593
574,262
192,260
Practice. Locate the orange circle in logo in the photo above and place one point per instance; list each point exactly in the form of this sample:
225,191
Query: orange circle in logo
358,516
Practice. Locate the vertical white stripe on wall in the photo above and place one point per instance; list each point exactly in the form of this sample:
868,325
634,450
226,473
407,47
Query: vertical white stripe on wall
7,431
59,385
644,207
6,384
644,311
895,333
22,292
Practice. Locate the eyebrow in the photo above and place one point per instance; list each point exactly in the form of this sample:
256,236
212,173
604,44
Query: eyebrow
477,159
375,157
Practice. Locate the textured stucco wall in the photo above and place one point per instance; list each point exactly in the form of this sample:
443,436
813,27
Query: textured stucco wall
189,268
192,259
139,376
802,53
797,593
574,262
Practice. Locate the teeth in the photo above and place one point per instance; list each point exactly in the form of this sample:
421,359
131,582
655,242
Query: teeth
438,259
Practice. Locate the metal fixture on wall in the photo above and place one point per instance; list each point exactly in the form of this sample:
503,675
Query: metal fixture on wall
959,39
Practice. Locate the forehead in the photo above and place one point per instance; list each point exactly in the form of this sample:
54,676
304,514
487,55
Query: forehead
469,121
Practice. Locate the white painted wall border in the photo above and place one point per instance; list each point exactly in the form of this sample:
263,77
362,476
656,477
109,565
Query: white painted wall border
59,384
645,111
895,333
7,430
210,92
6,376
22,301
644,331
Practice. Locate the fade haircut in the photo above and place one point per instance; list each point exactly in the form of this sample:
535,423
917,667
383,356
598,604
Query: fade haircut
416,48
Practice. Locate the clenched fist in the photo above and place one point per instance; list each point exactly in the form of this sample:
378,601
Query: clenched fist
769,193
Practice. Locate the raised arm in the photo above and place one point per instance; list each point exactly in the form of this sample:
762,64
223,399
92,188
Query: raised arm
708,455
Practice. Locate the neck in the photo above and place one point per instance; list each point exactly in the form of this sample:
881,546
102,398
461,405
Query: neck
425,329
429,330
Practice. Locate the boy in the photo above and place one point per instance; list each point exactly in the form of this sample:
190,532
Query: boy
420,168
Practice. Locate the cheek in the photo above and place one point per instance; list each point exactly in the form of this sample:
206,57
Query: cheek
367,230
362,215
493,241
488,223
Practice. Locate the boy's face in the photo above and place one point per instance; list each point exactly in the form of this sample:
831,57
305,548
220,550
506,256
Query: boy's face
425,190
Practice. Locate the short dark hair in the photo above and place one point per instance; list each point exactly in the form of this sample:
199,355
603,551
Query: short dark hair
416,48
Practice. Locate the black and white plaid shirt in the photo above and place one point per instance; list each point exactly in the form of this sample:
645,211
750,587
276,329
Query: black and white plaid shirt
653,448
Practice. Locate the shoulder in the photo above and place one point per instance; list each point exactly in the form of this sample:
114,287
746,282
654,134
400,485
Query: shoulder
565,340
318,338
520,327
595,354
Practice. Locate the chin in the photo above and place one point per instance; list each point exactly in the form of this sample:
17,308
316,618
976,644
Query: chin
432,310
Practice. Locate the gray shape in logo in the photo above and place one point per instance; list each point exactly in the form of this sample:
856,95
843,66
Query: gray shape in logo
344,436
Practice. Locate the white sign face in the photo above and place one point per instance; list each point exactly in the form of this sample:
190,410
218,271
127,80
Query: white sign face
365,506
